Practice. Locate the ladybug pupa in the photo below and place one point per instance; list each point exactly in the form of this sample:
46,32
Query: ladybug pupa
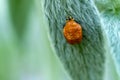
72,31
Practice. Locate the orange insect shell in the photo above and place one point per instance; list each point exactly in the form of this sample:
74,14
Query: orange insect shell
72,32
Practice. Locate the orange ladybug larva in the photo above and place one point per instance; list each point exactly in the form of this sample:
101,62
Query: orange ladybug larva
72,31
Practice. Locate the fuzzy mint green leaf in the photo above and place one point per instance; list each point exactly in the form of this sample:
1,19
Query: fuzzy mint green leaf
112,30
84,61
110,16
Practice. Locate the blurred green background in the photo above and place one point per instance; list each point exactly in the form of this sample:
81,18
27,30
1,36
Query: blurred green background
25,51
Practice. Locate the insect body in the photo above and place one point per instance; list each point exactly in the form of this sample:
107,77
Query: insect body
72,31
